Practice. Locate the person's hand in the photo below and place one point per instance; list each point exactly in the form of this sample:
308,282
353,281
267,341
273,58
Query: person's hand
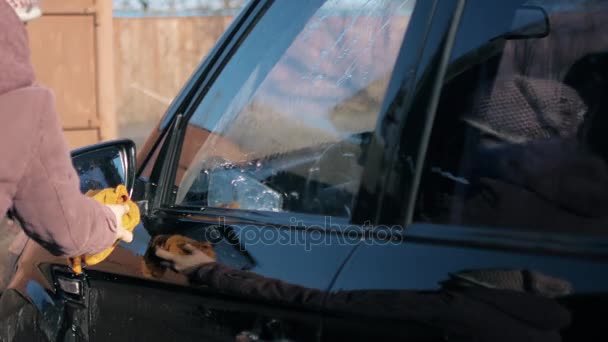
121,233
185,264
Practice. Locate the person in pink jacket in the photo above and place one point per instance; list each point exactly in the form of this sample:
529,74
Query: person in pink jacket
37,178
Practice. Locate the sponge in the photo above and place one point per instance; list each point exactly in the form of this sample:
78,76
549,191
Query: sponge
130,220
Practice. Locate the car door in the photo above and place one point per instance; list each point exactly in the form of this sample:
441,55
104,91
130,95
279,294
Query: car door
264,161
498,238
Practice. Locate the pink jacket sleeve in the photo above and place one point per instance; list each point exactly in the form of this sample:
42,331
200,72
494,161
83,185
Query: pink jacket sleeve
47,196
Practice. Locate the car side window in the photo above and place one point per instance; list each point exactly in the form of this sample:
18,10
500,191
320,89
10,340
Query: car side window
519,138
286,124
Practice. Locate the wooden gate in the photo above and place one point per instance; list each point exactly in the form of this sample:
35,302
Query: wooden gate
72,52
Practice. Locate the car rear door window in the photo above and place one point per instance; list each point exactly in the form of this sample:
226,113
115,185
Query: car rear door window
519,138
286,124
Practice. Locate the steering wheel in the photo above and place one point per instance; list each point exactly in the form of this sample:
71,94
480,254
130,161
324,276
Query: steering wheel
335,176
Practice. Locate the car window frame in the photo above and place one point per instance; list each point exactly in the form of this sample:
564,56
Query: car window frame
511,240
187,101
390,195
423,14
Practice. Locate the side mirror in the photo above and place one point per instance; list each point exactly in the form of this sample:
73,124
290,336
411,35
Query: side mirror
105,165
529,22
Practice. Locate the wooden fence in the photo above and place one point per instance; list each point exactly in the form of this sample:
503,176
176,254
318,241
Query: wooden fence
72,54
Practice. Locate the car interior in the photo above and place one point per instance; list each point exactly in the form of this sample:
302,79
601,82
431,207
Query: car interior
575,79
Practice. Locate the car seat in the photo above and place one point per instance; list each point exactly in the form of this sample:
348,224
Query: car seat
589,77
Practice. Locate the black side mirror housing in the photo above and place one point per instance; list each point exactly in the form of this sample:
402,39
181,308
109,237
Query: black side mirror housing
106,165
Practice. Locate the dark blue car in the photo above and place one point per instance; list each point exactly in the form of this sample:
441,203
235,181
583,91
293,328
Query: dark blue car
430,170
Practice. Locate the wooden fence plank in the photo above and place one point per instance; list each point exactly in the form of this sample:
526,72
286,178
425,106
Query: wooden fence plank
63,53
80,138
